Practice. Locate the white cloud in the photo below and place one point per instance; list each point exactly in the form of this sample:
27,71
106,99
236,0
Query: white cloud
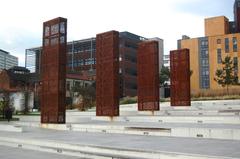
21,26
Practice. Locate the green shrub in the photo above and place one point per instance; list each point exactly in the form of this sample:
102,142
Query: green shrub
128,100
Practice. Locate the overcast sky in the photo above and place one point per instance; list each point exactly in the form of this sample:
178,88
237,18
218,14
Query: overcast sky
21,20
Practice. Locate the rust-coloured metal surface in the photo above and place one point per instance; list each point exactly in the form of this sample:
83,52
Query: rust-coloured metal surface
107,82
53,71
148,76
237,16
180,78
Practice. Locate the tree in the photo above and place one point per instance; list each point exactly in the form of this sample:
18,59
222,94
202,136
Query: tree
226,76
164,76
2,108
4,103
88,93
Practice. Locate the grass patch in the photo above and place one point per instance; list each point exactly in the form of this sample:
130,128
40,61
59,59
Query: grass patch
164,100
133,100
225,97
29,114
128,100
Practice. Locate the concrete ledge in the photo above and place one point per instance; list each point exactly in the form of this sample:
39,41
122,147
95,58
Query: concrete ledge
175,119
190,132
56,126
98,152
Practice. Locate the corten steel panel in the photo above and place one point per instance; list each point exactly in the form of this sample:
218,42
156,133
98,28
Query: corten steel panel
148,76
238,19
107,82
180,78
53,71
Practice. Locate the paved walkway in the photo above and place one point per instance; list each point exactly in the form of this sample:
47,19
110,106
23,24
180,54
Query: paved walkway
19,153
220,148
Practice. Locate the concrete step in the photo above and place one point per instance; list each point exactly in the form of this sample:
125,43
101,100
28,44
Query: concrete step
69,118
174,119
97,152
190,130
210,131
195,105
219,119
221,112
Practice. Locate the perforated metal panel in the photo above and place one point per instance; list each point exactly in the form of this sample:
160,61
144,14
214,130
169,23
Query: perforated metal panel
107,82
148,76
53,71
180,78
237,16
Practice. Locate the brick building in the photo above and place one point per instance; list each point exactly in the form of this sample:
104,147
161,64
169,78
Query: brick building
20,85
221,39
81,59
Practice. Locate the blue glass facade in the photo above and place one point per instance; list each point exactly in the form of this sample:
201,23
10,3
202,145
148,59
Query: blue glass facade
204,63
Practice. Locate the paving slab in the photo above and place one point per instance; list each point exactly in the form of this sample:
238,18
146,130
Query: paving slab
209,148
5,126
7,152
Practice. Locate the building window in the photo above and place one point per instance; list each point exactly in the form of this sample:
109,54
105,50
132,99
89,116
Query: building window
89,61
205,62
70,64
80,62
131,58
68,85
226,45
204,53
218,41
235,48
131,71
75,63
77,84
219,56
131,45
205,83
204,43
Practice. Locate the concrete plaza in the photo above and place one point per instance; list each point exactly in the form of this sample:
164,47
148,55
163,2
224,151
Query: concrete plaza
18,153
207,130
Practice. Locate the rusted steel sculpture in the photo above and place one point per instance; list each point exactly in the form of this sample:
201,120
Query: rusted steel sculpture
148,76
107,82
53,71
180,78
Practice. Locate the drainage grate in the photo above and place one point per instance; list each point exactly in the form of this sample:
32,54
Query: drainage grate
200,135
145,133
146,129
59,151
104,131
